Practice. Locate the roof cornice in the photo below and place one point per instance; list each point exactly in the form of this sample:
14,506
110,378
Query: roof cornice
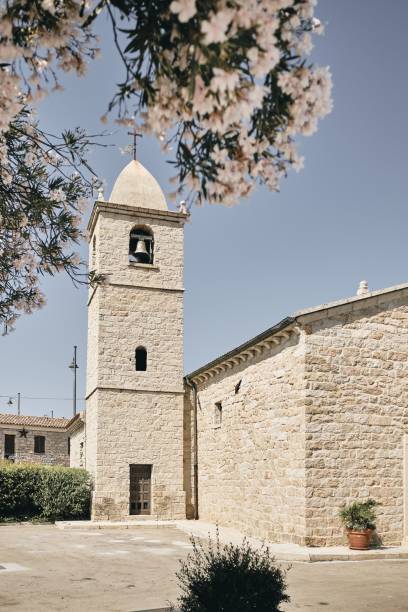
133,211
255,346
76,422
285,328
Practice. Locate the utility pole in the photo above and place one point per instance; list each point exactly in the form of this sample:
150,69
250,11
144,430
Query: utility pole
74,367
18,404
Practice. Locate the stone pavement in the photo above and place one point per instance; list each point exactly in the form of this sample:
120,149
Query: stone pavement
282,552
133,570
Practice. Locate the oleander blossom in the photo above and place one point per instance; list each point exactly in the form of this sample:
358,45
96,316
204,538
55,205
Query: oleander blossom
230,74
184,9
36,40
215,29
41,206
225,85
235,86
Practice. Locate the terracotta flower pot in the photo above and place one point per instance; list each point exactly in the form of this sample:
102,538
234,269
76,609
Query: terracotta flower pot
359,540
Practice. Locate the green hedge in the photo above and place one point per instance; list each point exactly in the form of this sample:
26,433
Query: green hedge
45,492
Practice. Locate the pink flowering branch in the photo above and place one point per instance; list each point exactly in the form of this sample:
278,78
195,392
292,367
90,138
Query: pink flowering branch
42,199
225,84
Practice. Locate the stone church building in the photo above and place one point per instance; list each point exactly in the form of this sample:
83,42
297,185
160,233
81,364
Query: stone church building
270,438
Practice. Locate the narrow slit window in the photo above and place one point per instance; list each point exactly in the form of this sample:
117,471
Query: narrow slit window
218,414
141,359
39,444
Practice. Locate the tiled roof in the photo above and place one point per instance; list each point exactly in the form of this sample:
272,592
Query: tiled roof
33,421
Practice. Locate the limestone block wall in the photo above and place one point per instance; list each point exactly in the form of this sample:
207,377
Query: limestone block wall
93,339
251,468
188,451
135,417
91,433
56,446
356,375
153,435
77,458
128,318
112,251
136,305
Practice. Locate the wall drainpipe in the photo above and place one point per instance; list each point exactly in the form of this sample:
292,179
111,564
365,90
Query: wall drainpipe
193,386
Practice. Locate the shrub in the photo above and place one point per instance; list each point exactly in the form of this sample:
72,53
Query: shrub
64,493
17,486
229,578
359,515
39,491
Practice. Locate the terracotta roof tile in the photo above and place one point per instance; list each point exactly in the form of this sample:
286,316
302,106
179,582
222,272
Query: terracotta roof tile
33,421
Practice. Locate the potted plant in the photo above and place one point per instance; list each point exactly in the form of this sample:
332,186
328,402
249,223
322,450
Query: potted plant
359,520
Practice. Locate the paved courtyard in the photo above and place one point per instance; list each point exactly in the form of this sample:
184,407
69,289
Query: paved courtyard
129,570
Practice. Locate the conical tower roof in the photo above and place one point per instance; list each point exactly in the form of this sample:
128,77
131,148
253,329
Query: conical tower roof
135,186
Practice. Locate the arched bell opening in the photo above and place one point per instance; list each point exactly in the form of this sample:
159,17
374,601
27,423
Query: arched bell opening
141,246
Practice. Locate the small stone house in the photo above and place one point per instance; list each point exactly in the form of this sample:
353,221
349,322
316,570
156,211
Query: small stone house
34,439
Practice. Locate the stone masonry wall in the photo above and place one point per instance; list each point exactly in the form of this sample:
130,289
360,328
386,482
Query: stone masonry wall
356,374
56,446
188,452
136,417
129,318
139,428
77,446
112,251
136,306
93,340
251,468
91,433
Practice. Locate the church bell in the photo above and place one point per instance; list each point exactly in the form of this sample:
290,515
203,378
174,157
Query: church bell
141,254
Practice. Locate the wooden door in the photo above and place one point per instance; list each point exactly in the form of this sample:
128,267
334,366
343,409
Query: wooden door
140,486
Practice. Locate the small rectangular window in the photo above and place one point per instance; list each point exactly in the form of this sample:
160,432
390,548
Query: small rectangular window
9,445
39,444
141,359
218,414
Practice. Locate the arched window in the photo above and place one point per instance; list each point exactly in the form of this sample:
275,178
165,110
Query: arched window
141,359
141,246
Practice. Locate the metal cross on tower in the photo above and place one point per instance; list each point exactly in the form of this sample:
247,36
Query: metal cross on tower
135,135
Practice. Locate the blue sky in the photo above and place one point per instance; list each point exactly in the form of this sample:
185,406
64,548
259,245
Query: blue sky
341,220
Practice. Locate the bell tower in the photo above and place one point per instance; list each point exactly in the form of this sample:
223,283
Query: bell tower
134,403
